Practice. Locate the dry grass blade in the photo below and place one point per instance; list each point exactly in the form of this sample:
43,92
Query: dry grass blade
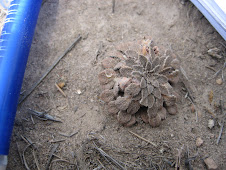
23,156
18,149
60,160
105,155
70,135
143,138
36,160
50,69
51,155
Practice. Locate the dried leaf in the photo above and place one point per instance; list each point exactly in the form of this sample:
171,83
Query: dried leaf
131,54
125,71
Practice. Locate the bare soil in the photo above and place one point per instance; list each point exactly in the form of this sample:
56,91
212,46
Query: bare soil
181,28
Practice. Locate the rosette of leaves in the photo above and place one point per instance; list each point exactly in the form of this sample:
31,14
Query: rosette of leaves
138,79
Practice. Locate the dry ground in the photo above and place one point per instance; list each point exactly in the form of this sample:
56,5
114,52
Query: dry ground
181,28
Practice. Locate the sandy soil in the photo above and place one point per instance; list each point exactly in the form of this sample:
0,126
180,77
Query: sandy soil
181,28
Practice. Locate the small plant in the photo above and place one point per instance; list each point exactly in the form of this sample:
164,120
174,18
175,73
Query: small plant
141,78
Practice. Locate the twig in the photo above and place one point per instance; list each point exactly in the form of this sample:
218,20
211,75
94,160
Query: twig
60,90
28,141
143,138
220,133
101,164
51,155
55,141
177,165
44,115
219,71
36,160
60,160
105,155
32,120
188,160
50,69
113,6
63,134
211,68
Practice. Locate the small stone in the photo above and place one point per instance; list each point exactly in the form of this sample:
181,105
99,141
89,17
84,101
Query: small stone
210,123
199,142
79,91
211,165
219,81
109,62
172,135
107,96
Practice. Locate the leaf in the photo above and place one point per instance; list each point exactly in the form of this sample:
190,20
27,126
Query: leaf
144,102
131,54
143,83
150,88
144,93
142,60
148,66
151,100
155,62
164,90
157,93
138,68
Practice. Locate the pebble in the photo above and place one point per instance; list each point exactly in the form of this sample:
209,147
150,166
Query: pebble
211,165
199,142
210,123
219,81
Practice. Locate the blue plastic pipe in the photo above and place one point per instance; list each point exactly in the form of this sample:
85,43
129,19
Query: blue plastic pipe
15,43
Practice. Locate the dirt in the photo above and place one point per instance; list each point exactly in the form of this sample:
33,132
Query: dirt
181,28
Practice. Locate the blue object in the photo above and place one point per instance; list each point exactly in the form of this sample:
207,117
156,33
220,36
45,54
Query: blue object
213,13
15,43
